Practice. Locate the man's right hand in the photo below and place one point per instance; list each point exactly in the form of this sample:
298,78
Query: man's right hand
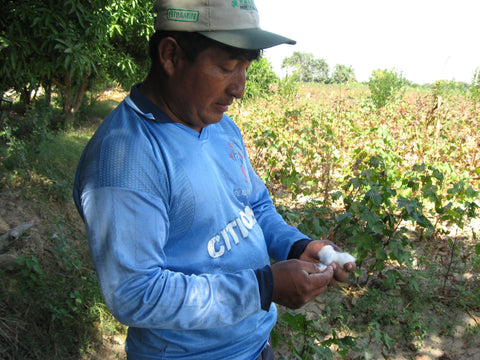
296,282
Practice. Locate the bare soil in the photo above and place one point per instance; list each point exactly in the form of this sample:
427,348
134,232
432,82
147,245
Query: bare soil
438,344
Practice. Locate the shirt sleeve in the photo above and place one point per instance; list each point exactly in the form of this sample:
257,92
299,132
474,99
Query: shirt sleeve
265,275
127,231
265,286
298,248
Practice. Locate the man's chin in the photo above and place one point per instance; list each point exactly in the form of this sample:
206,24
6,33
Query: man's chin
214,118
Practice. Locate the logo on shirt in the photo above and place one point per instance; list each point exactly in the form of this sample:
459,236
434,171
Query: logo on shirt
232,234
236,156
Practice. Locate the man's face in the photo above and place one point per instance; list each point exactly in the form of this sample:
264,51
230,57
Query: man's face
200,92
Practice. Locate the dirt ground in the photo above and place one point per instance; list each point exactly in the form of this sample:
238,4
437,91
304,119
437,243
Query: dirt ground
434,347
15,210
455,346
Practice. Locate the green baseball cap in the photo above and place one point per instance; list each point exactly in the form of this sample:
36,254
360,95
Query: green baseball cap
230,22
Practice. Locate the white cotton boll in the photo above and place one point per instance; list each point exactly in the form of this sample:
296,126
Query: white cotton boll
321,267
328,255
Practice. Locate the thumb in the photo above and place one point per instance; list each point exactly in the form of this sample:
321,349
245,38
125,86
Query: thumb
314,268
321,277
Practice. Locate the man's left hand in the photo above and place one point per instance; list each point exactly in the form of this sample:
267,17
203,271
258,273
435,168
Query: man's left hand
311,254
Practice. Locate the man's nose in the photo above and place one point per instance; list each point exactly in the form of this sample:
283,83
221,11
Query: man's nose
237,85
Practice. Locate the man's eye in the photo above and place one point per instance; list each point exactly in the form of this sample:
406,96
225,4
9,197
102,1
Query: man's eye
228,66
227,69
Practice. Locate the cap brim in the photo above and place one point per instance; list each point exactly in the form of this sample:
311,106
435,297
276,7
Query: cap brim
249,39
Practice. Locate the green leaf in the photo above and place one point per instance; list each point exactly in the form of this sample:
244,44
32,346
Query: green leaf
419,168
381,254
456,188
336,195
295,321
68,60
438,175
374,196
471,192
341,218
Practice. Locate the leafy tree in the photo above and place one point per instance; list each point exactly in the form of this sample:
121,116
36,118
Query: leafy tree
52,42
385,86
260,78
129,29
16,54
307,67
343,74
449,87
66,43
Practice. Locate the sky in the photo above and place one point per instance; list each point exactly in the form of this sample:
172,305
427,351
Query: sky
425,40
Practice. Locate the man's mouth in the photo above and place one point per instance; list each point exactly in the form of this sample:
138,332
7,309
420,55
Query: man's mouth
223,107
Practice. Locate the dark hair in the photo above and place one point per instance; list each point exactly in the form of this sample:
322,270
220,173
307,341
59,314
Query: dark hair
193,43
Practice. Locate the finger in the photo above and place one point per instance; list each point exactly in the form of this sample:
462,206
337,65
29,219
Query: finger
350,267
312,267
320,280
339,273
336,248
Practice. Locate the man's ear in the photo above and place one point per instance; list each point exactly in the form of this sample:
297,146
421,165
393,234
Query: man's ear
169,54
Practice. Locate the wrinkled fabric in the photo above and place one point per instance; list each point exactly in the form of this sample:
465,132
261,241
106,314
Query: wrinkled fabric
177,223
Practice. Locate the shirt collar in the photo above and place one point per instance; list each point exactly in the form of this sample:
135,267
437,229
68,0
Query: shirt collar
146,106
152,111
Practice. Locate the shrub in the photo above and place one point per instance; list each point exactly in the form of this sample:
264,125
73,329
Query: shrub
385,86
260,78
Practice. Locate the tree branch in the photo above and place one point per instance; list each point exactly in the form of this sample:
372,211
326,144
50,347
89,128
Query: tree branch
58,84
14,234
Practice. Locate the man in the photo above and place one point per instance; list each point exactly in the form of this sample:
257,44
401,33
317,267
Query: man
180,227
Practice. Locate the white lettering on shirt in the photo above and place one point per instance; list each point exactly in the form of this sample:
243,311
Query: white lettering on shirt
211,247
230,234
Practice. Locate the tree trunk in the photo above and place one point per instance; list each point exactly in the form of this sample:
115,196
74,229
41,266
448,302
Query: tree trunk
71,100
25,96
48,93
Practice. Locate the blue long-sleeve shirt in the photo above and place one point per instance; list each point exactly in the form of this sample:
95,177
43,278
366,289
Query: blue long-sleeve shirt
180,228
